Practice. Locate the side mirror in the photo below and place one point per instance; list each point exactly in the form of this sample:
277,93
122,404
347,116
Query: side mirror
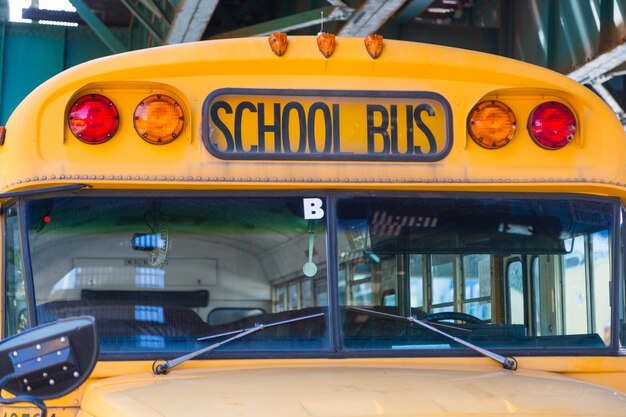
48,361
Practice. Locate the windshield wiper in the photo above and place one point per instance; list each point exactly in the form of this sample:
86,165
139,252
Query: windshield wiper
162,368
506,362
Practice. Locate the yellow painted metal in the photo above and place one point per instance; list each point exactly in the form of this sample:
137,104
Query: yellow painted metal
395,387
39,151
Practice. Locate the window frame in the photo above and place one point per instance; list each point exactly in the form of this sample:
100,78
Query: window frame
332,198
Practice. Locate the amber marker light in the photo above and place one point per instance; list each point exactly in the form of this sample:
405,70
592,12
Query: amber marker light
93,119
491,124
326,43
374,45
552,125
278,42
159,119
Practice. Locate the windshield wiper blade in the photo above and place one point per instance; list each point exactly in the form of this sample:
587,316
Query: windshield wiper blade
162,368
506,362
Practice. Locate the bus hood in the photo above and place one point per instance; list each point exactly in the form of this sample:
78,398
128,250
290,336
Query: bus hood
349,391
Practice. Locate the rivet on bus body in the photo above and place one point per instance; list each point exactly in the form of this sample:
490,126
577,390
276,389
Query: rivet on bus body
326,44
278,42
374,45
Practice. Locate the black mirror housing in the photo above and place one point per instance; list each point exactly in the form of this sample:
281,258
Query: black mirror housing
51,360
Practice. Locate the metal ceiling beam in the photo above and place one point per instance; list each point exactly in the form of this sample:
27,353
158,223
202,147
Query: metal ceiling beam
293,22
370,17
156,10
191,21
601,66
4,10
98,27
145,20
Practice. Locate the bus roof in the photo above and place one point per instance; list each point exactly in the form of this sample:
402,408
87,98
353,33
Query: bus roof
298,107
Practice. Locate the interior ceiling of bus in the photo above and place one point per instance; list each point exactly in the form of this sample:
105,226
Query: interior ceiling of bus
584,39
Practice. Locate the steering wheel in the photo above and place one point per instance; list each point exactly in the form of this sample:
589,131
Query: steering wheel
452,315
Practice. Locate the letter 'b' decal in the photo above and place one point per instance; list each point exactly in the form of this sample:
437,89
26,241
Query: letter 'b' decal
313,208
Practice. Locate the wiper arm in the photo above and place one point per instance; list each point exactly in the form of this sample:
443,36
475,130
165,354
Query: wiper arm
506,362
162,368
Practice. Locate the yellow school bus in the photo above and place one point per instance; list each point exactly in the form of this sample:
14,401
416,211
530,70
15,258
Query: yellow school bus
312,226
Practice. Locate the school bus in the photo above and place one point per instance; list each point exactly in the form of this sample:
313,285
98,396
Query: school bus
312,226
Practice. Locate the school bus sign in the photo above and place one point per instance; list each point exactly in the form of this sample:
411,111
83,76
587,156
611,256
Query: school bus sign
335,125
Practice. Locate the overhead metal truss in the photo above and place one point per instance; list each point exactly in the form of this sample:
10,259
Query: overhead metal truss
582,38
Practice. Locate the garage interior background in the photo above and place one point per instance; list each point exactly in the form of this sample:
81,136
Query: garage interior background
585,39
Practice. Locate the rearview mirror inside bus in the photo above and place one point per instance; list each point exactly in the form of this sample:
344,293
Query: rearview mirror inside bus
49,361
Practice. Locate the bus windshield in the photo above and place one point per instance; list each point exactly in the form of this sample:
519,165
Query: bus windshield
500,273
159,274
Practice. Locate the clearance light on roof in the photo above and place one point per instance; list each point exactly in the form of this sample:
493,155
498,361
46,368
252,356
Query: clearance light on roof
491,124
278,42
326,43
374,45
552,125
93,119
159,119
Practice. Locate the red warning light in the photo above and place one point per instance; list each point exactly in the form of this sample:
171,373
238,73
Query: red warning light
47,219
552,125
93,119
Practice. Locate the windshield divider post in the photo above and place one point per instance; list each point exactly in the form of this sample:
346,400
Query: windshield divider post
332,275
29,280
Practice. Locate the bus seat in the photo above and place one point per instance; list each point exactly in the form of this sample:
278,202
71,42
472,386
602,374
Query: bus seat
127,319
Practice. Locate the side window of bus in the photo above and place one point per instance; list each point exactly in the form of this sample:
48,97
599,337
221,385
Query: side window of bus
477,273
515,292
300,293
416,271
16,312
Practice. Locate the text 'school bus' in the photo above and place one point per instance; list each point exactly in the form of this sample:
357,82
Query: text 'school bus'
312,227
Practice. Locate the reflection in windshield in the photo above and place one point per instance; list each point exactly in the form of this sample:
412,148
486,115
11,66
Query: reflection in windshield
159,272
507,273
